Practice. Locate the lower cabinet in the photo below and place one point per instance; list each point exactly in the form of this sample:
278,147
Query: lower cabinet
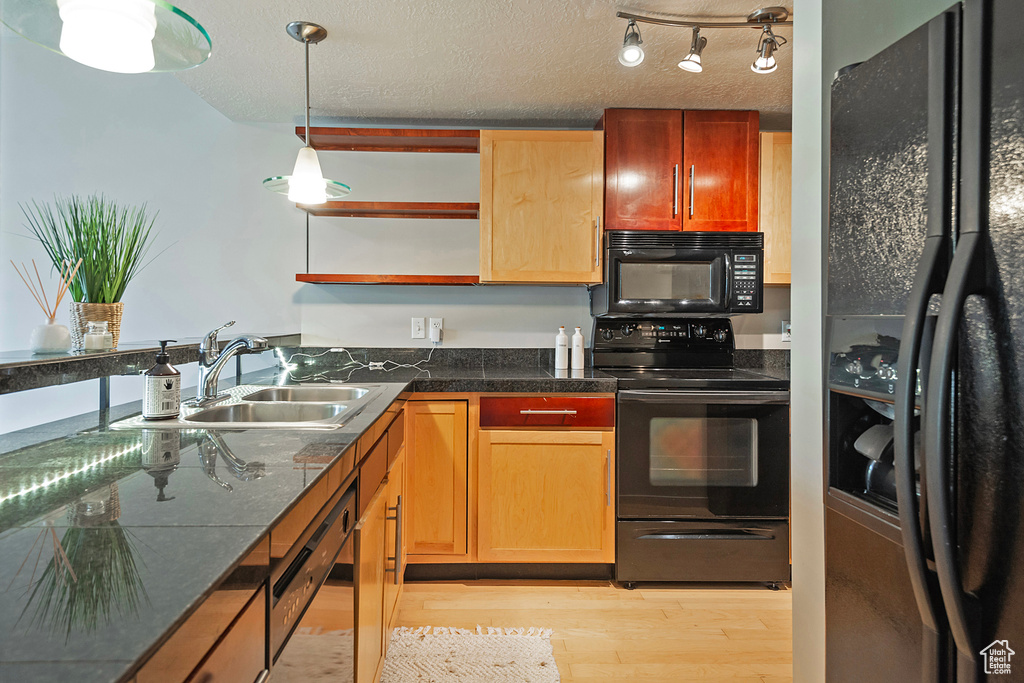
546,496
437,474
242,652
394,539
369,582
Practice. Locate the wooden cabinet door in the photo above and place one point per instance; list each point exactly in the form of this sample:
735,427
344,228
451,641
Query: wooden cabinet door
643,169
369,584
541,195
437,460
720,170
394,540
775,205
242,653
546,496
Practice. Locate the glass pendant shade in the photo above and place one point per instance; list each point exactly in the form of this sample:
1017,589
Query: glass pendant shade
307,184
110,35
121,36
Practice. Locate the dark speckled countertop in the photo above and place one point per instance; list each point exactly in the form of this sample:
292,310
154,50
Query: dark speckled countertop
152,535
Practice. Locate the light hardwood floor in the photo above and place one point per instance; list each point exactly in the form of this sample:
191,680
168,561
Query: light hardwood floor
604,633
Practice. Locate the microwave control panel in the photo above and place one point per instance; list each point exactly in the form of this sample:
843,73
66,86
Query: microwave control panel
747,278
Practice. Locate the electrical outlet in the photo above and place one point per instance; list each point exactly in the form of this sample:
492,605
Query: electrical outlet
787,335
419,328
436,329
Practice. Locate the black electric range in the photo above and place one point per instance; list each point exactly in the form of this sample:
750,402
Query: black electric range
702,485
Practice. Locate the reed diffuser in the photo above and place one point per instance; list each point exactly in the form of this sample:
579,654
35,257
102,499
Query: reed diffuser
51,337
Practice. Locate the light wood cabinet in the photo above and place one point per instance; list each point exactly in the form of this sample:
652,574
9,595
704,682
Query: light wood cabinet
776,205
541,199
394,539
241,654
369,588
437,458
546,496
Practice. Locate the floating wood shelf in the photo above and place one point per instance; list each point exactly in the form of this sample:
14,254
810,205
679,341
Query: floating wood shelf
347,279
394,209
392,139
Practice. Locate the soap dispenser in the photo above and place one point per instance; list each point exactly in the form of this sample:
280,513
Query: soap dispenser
162,397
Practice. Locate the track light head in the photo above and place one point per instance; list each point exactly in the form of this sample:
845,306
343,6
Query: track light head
631,53
692,61
766,46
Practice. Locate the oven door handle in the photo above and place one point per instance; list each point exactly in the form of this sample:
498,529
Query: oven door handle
716,397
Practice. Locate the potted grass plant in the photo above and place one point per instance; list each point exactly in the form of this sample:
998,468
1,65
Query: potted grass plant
110,240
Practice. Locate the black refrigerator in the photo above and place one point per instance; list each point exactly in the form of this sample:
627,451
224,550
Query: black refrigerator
924,527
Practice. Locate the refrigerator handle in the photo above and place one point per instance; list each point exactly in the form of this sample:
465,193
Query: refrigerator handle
915,328
961,610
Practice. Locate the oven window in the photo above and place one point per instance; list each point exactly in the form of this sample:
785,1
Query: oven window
658,281
703,451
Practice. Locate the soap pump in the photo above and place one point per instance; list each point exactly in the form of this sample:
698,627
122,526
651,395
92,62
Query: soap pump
162,397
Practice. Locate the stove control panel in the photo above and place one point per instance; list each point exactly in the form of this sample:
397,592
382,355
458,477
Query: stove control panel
663,334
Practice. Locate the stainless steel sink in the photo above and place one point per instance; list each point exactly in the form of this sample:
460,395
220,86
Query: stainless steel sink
252,406
309,394
270,412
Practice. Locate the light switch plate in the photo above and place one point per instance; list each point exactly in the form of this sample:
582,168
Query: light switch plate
419,328
787,335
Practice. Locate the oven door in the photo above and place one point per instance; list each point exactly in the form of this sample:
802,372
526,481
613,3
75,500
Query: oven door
702,454
660,281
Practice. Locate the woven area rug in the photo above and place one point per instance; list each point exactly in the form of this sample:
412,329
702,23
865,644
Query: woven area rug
432,654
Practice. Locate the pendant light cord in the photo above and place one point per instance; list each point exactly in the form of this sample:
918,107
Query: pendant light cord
307,92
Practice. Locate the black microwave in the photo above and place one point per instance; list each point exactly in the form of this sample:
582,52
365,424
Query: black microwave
680,273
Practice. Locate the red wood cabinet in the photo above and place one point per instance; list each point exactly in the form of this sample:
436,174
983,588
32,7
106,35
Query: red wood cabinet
547,411
643,162
667,169
720,170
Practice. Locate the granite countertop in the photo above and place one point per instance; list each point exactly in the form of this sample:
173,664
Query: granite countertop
154,520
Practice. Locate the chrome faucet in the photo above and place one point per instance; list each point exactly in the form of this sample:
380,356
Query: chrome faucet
212,360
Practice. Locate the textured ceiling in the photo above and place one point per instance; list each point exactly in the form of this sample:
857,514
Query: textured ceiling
476,62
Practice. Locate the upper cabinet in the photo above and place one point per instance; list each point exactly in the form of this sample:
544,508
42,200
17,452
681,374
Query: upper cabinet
643,160
673,170
720,168
776,213
540,206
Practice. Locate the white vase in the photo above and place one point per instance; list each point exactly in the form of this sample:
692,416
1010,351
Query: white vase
50,338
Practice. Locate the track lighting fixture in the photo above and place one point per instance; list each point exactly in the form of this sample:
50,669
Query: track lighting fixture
766,46
691,62
631,53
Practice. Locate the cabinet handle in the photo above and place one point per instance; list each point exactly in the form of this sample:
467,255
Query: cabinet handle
692,176
597,241
675,191
608,479
529,411
397,559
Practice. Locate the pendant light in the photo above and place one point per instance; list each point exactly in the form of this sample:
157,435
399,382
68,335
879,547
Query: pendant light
122,36
691,62
306,184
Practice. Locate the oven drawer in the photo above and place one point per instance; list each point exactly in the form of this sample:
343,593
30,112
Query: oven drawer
702,550
547,411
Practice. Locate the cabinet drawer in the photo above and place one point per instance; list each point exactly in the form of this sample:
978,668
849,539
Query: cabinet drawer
372,472
547,411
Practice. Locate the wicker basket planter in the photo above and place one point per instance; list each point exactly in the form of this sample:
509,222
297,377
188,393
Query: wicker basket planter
83,313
